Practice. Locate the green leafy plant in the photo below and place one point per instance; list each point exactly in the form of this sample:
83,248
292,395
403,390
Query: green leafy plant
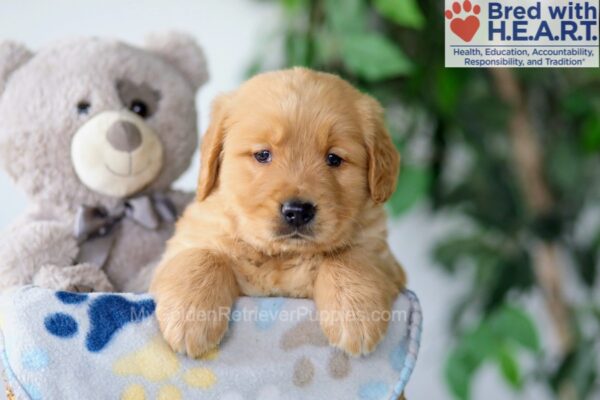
496,339
513,154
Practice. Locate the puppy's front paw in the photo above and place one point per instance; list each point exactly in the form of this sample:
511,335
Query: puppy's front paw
357,332
194,291
193,328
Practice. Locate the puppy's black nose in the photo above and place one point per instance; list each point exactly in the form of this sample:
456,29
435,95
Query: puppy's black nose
298,213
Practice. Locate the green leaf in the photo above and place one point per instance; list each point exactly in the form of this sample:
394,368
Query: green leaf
488,341
466,358
591,134
576,103
450,86
514,324
510,273
509,367
294,5
346,18
297,50
403,12
459,370
476,248
412,187
481,342
373,57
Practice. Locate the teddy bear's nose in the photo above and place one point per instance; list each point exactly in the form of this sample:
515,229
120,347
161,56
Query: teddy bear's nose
124,136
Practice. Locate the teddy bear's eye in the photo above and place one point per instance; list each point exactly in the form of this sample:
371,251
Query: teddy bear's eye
139,107
83,107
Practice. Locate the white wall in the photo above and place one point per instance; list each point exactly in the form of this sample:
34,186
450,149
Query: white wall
230,31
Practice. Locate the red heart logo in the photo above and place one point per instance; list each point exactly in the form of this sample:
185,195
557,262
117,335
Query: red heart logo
465,28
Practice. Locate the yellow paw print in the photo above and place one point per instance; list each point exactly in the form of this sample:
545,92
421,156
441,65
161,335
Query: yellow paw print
156,362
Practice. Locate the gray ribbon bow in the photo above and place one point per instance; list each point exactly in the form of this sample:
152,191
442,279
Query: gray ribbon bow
95,226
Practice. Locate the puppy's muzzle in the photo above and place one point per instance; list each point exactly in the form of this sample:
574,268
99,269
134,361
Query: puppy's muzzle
298,213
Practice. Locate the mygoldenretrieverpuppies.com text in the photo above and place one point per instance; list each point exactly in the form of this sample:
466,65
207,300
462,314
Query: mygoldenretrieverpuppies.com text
298,314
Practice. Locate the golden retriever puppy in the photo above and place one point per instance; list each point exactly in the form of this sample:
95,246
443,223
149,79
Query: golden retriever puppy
296,165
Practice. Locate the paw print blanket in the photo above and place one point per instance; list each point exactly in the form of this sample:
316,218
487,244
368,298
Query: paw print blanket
60,345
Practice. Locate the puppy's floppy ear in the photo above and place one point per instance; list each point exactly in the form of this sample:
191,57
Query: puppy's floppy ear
212,146
181,51
12,57
384,159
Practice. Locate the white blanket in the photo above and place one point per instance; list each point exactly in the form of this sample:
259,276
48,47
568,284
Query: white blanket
59,345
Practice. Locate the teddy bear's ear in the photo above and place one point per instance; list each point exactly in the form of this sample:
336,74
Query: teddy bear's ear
181,51
12,56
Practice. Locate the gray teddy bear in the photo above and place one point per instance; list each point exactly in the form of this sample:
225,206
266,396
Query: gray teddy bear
95,132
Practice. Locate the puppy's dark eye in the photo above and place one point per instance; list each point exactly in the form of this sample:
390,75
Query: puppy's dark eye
83,107
139,107
333,160
263,156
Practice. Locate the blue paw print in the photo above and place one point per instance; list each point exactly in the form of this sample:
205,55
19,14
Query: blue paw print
107,313
71,298
61,325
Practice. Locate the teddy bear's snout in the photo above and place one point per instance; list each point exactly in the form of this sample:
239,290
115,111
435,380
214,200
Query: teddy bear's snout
116,153
124,136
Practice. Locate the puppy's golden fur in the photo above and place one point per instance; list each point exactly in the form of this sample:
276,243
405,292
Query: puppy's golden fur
229,241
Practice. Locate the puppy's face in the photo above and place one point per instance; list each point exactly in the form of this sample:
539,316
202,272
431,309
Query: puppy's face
297,156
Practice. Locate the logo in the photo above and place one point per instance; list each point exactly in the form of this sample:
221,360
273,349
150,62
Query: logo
464,28
521,33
